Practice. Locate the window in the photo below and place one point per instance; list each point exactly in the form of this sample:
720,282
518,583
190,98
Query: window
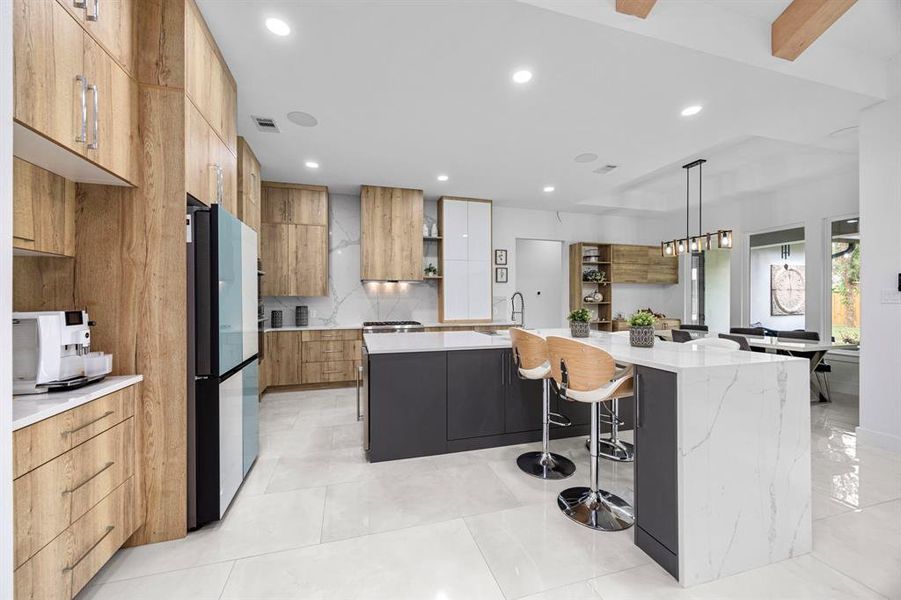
846,281
778,285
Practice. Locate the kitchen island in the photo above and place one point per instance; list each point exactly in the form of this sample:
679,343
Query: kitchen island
722,437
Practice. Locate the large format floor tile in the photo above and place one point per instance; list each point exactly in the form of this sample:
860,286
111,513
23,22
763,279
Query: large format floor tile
536,548
201,583
439,562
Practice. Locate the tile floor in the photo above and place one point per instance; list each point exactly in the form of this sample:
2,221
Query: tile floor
315,520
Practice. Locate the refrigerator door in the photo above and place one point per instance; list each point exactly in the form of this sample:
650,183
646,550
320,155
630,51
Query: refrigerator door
237,290
251,416
231,438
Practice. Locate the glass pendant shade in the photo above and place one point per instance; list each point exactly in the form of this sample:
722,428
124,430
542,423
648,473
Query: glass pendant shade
695,244
724,238
681,246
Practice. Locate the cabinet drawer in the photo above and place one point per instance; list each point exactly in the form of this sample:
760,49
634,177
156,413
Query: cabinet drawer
66,564
332,334
331,351
325,372
36,444
49,498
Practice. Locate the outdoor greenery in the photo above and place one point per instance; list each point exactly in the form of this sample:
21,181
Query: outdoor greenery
642,318
846,286
581,315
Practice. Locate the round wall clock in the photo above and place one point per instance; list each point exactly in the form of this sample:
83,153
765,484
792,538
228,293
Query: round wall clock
787,284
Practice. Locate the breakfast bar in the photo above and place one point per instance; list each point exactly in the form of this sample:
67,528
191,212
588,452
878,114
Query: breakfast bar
722,437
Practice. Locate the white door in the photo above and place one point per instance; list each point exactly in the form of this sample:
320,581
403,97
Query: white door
539,278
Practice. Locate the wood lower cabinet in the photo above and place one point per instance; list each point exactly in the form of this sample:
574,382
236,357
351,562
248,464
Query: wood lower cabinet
75,494
249,186
391,234
43,210
294,240
296,357
283,358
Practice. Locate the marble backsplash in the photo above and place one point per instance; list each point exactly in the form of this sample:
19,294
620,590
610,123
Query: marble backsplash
350,301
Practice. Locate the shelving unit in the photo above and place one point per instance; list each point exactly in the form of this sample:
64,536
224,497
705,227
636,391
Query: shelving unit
427,239
585,257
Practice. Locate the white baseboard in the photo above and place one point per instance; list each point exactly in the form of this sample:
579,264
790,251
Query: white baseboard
884,441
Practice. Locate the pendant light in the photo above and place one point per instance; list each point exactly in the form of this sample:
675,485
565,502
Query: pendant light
703,241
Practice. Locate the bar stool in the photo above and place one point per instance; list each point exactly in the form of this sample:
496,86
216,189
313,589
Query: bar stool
530,354
585,373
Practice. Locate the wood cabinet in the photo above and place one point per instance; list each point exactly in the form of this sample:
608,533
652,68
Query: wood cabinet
294,240
249,186
465,260
111,24
211,170
75,495
208,82
642,264
283,358
586,259
43,210
391,234
661,324
295,357
68,89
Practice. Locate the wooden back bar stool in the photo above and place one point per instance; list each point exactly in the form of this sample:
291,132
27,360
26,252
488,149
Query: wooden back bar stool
585,373
530,354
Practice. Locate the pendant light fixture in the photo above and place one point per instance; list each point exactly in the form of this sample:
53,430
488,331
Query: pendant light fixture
703,241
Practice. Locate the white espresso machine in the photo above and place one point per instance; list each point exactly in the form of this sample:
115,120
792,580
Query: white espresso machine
52,351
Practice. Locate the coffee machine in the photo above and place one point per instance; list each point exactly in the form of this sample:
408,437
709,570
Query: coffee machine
51,351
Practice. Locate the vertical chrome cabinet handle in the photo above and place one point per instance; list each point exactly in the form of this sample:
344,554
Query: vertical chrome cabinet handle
638,400
96,15
82,136
96,93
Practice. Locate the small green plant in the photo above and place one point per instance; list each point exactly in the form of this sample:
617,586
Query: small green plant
594,276
642,318
580,315
431,270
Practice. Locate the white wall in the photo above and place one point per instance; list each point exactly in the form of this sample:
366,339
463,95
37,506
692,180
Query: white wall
807,205
760,261
880,222
6,244
539,265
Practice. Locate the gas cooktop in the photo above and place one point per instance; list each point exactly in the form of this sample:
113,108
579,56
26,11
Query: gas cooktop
392,326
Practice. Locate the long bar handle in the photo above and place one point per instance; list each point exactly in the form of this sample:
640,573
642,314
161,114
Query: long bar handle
89,479
88,424
638,400
82,136
96,92
96,15
109,530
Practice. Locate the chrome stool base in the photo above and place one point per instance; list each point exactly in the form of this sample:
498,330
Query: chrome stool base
618,450
545,465
601,511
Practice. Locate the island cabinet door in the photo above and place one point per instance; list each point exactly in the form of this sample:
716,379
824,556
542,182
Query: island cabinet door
476,382
522,410
407,405
656,508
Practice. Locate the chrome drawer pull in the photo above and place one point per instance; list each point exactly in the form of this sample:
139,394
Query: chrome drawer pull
109,530
89,479
89,423
333,372
82,136
96,92
332,351
96,15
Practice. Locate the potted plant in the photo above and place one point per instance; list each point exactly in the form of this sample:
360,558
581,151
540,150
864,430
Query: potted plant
580,323
431,270
641,329
594,276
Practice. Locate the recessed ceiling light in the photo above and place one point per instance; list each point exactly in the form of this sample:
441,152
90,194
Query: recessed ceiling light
548,188
442,178
690,111
303,119
277,26
586,157
522,76
311,164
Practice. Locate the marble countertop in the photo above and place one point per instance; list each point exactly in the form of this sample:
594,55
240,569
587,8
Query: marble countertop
28,409
667,356
360,326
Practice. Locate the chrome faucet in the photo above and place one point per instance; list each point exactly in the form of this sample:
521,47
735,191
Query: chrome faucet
522,309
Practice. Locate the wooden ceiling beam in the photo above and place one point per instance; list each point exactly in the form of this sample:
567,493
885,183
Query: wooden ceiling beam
636,8
801,23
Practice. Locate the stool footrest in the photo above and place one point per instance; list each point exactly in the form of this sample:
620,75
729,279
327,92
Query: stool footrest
559,420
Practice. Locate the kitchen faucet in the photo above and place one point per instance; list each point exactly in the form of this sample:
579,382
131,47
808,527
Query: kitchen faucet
522,309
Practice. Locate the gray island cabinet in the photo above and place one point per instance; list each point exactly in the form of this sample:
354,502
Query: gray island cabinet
722,437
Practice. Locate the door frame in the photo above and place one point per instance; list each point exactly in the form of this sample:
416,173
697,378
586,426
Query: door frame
564,267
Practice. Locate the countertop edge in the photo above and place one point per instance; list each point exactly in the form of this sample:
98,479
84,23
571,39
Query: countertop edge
268,329
87,394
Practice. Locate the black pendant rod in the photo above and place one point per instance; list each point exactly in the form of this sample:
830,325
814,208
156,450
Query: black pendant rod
688,167
687,209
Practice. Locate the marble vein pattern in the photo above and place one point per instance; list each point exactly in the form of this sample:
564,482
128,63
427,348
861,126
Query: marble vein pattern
744,468
505,539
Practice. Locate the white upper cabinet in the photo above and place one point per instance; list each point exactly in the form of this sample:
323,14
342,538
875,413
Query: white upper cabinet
466,260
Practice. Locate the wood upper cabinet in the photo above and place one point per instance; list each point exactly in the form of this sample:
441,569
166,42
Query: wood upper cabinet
208,82
209,165
294,240
642,264
111,24
67,87
249,186
43,210
391,234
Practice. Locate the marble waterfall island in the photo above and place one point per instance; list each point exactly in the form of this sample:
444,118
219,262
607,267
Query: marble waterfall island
722,437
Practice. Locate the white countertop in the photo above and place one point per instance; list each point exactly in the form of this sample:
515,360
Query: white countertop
667,356
360,326
774,343
28,409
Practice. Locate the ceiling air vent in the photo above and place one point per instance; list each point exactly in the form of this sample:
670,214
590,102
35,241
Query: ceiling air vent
604,170
265,124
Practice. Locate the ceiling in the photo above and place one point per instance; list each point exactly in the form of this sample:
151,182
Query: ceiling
405,91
